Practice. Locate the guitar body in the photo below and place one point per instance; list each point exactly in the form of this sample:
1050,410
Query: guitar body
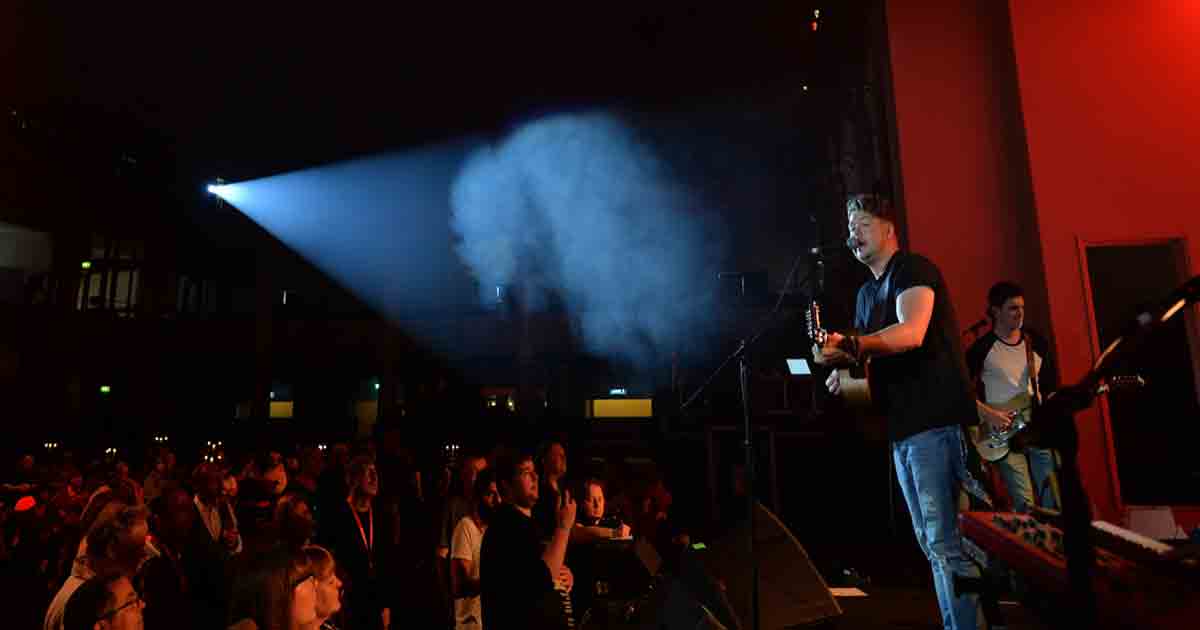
994,446
854,382
855,386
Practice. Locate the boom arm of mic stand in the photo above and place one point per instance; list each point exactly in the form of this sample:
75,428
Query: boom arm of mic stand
745,345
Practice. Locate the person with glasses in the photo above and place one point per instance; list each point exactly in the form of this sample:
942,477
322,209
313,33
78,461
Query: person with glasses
115,544
107,602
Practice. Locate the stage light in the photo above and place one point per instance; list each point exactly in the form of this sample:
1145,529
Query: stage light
105,389
217,187
376,386
87,264
617,391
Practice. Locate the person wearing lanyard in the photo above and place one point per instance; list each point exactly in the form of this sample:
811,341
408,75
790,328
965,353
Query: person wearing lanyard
352,534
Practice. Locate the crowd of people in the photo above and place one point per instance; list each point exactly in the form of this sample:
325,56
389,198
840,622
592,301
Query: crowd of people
345,537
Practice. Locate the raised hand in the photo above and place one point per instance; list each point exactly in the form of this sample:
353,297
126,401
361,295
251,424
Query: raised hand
566,510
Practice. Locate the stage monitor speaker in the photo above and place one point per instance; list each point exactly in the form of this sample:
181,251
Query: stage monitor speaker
791,593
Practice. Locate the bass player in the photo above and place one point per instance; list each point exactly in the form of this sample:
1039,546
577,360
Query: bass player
1012,367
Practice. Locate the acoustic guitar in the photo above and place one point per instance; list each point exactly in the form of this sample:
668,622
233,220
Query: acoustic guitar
854,382
995,445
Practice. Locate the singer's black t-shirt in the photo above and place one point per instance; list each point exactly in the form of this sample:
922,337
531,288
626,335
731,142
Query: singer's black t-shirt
927,387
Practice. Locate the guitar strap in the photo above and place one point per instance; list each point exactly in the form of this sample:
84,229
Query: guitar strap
1029,359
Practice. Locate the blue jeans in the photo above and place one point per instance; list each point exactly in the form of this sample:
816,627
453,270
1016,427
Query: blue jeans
1027,478
931,467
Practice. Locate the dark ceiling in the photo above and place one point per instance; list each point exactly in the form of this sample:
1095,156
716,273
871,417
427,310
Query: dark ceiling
247,89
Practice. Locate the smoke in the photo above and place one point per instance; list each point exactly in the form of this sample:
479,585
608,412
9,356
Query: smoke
576,206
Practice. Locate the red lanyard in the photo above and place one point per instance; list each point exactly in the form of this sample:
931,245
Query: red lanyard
369,543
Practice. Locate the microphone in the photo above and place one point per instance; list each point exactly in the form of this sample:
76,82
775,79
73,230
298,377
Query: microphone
820,275
977,325
824,248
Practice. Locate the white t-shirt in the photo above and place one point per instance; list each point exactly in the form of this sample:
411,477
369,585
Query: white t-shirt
1006,371
465,545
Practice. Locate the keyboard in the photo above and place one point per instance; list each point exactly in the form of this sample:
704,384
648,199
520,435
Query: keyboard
1139,582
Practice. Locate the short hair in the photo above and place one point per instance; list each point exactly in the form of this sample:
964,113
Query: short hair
112,528
205,472
486,477
508,464
1002,292
89,602
96,503
592,481
293,530
470,457
357,468
544,448
873,204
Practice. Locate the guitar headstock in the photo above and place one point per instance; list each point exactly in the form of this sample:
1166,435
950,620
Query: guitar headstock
815,332
1121,382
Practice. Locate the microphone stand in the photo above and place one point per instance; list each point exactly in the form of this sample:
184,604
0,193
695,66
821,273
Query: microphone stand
740,355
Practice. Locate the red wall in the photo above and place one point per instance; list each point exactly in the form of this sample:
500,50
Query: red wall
960,150
1022,129
1111,99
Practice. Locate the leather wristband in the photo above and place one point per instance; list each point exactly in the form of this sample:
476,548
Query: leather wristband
849,344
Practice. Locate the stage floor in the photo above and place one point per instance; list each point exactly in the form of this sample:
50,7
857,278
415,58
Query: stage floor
914,609
898,586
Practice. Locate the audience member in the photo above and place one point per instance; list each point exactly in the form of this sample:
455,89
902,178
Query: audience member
210,547
553,461
357,538
153,485
329,587
280,594
466,543
518,574
116,543
164,582
107,602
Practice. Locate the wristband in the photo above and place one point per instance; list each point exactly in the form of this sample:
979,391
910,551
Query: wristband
849,344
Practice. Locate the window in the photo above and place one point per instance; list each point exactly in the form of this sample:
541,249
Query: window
111,279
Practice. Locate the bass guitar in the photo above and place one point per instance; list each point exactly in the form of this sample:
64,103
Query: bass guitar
994,445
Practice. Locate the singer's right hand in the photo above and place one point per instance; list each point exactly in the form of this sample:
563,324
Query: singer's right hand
833,384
